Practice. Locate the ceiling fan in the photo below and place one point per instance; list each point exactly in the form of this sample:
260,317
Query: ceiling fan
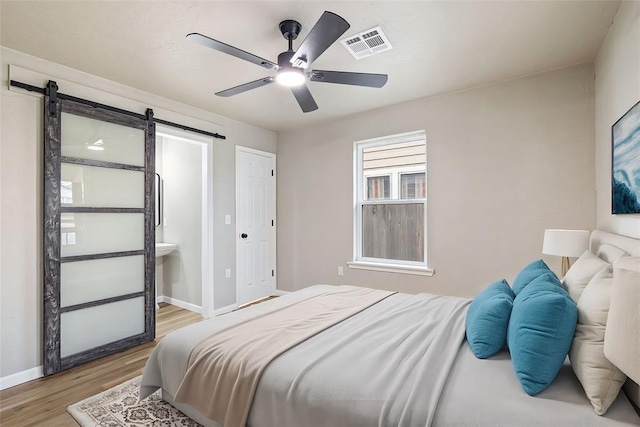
292,64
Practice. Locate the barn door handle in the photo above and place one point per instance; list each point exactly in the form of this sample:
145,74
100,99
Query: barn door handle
244,235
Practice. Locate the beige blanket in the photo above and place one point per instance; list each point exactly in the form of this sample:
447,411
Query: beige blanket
224,369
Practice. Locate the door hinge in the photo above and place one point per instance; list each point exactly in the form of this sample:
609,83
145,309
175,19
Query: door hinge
271,172
272,223
272,273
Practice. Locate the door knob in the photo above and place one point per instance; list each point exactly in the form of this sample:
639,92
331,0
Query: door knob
244,235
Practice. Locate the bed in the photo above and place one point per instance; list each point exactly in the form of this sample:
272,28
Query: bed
400,361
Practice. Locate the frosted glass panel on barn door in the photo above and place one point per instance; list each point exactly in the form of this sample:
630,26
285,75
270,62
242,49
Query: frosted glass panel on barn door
98,232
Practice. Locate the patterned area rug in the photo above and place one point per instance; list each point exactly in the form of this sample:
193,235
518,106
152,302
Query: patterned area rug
119,406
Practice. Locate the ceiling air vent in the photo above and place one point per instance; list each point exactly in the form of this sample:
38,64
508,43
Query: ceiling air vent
367,43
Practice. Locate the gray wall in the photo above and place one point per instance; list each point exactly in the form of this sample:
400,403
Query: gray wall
617,90
21,193
224,182
504,162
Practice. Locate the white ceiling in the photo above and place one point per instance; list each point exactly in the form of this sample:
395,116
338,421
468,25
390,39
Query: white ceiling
439,47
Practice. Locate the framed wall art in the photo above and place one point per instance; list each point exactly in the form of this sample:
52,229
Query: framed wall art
625,170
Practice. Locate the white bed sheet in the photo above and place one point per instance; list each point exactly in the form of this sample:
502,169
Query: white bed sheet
383,366
475,393
487,393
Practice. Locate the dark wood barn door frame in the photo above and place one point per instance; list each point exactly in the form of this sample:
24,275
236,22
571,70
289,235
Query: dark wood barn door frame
52,310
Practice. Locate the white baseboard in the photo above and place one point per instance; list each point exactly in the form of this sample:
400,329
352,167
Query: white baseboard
181,304
37,372
224,310
21,377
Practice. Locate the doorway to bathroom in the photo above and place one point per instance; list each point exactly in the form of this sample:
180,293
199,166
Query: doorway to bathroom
184,220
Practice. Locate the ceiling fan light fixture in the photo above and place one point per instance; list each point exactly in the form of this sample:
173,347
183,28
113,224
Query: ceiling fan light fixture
292,64
290,78
289,75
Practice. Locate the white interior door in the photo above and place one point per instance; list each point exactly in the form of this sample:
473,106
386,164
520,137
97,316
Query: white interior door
255,224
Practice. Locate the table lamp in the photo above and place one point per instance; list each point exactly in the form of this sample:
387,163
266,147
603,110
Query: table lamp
565,243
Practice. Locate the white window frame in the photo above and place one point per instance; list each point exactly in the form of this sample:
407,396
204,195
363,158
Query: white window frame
381,264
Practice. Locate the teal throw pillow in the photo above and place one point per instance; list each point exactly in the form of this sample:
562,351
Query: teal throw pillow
529,273
488,318
540,333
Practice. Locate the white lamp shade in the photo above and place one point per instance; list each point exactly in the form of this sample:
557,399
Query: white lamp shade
569,243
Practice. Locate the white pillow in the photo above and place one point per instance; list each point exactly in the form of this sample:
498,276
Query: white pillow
581,272
622,342
600,379
610,253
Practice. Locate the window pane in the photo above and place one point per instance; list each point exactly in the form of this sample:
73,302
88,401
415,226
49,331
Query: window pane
97,279
91,327
391,197
378,187
94,233
393,231
412,186
101,187
397,155
93,139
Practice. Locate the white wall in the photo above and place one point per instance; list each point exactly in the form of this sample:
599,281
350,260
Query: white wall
617,90
21,191
182,219
504,162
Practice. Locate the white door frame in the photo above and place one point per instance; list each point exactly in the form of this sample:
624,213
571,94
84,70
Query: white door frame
207,208
238,231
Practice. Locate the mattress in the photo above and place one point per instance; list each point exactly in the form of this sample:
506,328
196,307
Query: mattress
487,393
338,378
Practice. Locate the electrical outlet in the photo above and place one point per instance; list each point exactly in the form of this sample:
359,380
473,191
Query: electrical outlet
227,219
227,273
340,271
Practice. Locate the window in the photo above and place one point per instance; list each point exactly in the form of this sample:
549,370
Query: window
390,204
413,186
378,187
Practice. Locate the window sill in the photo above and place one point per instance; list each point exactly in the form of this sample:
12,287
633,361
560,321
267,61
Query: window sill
392,268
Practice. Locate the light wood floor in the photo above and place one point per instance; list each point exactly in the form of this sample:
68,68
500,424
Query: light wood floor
44,402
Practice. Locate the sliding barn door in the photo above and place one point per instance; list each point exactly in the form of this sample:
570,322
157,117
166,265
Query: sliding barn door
98,232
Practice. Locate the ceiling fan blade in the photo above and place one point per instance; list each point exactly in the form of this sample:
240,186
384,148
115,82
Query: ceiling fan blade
230,50
304,98
326,31
346,78
247,86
